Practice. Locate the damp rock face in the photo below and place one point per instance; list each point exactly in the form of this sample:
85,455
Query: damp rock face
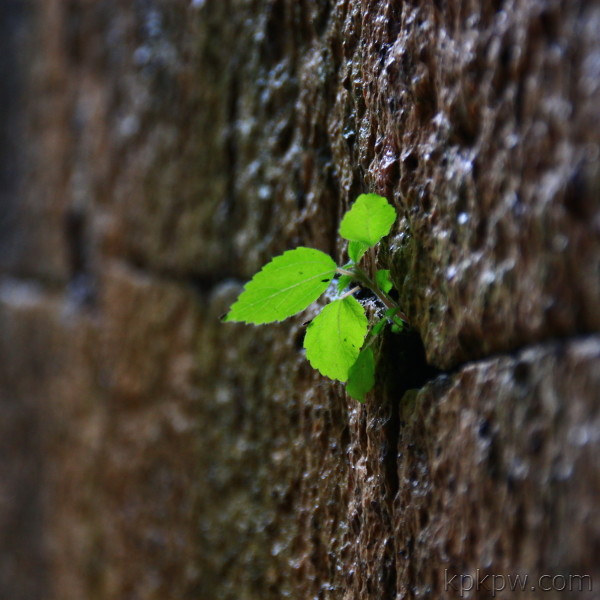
154,155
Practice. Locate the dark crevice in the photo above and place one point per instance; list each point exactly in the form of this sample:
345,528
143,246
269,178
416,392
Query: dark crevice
556,343
14,18
402,367
81,289
576,196
406,366
275,40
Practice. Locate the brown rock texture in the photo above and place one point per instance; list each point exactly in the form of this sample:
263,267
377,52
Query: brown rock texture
154,154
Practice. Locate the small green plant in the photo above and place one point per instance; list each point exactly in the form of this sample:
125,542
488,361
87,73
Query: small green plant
339,340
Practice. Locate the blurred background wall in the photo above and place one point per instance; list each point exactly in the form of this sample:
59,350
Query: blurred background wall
153,155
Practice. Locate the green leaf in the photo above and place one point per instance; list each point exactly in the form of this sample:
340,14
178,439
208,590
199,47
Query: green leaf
283,287
397,322
334,337
343,282
378,327
361,377
369,219
356,250
383,279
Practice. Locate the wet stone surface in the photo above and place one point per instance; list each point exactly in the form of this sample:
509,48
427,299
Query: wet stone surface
496,468
164,151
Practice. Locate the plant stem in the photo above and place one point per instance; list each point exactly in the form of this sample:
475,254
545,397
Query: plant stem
360,276
350,292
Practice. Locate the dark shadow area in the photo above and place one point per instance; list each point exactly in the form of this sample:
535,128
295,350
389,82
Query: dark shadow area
13,18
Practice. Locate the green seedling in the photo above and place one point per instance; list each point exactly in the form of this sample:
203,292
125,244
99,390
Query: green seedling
339,340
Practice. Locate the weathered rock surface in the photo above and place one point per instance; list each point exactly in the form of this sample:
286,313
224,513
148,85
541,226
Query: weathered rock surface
494,127
154,154
498,472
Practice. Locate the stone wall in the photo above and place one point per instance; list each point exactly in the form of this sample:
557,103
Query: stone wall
154,155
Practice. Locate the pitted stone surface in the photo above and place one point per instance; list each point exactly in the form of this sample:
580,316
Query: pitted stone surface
496,472
498,170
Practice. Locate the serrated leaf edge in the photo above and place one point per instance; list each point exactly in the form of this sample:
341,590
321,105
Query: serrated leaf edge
360,345
329,274
359,199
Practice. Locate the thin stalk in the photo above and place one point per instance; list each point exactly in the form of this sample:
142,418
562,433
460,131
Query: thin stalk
360,276
350,292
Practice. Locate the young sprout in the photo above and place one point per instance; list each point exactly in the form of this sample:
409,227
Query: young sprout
338,341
